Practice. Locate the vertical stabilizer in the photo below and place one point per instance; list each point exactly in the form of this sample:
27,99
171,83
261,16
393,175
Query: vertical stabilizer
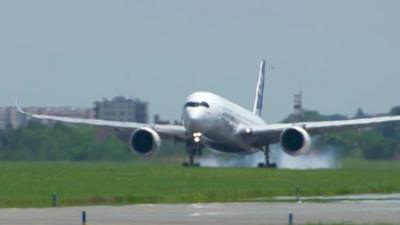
258,102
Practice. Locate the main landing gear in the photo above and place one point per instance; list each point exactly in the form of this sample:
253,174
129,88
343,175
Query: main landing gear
267,163
193,148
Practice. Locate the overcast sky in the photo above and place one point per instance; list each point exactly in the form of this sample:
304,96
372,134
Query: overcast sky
56,53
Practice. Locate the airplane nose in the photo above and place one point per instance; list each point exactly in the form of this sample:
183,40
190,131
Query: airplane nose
194,120
194,114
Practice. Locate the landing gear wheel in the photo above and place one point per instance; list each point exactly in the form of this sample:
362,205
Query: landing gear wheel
270,165
267,163
261,165
192,149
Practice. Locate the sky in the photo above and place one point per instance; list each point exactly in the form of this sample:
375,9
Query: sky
71,53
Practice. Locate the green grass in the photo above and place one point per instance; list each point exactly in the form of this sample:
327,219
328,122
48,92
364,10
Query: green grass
31,184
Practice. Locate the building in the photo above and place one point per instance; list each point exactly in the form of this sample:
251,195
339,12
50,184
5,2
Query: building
122,109
158,120
11,118
3,117
297,108
15,118
117,109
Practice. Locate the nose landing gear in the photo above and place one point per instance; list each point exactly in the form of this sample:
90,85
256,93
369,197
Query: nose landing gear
193,148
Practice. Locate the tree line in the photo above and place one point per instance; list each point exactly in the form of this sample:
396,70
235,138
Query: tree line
40,142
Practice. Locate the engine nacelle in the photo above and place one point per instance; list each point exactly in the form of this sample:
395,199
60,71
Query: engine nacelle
295,141
144,141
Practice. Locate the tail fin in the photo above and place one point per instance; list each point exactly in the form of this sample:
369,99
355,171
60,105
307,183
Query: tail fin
258,102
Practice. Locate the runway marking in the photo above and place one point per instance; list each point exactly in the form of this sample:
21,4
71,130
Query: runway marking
203,206
206,214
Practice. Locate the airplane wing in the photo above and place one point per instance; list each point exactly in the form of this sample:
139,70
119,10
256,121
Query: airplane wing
177,131
272,132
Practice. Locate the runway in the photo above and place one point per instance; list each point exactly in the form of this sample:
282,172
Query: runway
212,214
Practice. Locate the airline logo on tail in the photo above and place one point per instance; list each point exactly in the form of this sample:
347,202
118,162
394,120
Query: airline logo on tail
258,103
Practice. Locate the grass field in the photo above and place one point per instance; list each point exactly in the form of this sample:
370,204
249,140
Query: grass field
31,184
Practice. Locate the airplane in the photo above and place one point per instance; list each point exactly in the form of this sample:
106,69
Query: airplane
212,121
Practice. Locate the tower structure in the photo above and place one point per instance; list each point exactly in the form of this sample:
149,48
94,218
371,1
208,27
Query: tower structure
297,105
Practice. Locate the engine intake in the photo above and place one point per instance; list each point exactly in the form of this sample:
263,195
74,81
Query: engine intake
144,141
295,141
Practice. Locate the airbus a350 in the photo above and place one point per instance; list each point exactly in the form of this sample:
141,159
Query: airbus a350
212,121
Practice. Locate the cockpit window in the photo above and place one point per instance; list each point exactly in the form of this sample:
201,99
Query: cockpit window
191,104
197,104
205,104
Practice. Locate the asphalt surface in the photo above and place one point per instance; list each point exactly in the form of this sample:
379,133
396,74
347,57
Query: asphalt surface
230,213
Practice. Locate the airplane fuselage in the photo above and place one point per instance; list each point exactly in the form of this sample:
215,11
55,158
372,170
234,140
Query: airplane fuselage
218,120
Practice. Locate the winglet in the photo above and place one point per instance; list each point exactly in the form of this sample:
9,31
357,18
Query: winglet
19,107
258,102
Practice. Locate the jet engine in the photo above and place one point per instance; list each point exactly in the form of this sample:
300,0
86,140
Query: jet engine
144,141
295,141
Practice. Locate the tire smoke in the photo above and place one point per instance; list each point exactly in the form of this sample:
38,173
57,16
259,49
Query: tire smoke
324,157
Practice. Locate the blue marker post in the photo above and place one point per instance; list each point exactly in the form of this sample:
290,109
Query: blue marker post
54,200
298,200
290,219
84,218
